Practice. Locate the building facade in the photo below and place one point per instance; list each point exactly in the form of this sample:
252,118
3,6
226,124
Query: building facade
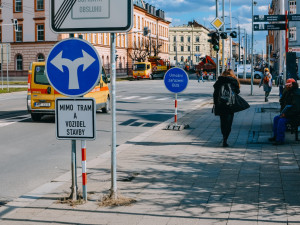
34,39
274,38
189,43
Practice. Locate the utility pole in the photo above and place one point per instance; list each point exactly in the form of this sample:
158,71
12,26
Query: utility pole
230,21
223,40
252,59
239,31
218,66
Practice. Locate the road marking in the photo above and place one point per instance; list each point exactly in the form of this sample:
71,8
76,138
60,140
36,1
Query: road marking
198,100
11,120
131,97
162,99
148,97
181,99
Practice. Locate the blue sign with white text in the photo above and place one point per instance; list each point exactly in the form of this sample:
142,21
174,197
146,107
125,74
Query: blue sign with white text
73,67
176,80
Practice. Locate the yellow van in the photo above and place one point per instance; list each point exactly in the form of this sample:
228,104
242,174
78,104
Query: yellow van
142,70
41,95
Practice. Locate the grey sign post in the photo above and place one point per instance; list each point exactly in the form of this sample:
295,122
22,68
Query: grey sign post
85,16
70,16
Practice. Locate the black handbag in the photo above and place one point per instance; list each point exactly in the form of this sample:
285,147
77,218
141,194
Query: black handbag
240,104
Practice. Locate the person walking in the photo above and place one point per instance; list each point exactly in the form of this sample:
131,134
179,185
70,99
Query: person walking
200,75
227,79
266,81
288,110
280,84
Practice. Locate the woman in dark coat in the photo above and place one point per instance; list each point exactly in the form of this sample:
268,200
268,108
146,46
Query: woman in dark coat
226,115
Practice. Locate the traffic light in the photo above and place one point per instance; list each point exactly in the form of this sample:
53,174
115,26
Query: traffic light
215,39
146,31
223,35
233,34
15,24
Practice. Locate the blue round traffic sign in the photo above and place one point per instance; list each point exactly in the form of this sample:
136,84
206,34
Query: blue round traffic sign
73,67
176,80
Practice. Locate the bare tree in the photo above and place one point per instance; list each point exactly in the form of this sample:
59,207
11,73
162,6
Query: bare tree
156,46
140,53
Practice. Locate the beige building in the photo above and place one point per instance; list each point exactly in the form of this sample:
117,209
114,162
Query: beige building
33,40
191,41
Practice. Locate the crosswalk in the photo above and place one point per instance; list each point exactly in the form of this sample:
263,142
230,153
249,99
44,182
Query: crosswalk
11,120
159,99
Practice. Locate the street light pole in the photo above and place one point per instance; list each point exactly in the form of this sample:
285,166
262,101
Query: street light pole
223,40
252,69
218,67
230,21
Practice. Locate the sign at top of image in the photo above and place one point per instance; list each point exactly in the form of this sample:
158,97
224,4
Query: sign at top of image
70,16
268,18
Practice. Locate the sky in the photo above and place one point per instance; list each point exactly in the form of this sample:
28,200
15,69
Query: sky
179,12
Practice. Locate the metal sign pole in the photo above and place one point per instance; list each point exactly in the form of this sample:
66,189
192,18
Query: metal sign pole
175,119
74,187
218,65
7,67
113,112
2,65
83,165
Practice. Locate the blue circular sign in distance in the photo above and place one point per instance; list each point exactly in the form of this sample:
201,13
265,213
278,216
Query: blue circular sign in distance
73,67
176,80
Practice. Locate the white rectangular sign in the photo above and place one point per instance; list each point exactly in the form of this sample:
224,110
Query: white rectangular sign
82,16
75,118
4,49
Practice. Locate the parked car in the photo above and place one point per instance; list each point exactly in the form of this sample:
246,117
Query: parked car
257,75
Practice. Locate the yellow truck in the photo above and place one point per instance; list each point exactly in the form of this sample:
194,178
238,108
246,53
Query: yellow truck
142,70
41,95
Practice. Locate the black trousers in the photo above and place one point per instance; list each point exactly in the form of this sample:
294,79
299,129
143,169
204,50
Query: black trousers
226,123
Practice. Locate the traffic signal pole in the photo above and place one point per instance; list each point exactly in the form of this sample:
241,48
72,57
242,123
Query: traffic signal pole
218,67
223,40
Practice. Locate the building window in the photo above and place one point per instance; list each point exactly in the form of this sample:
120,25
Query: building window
189,39
174,57
19,34
197,39
39,4
197,59
197,48
293,7
182,59
0,33
40,32
174,38
174,48
293,31
182,39
182,48
19,62
40,57
18,5
189,48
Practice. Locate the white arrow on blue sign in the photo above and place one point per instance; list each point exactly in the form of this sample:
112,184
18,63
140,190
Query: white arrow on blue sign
176,80
73,67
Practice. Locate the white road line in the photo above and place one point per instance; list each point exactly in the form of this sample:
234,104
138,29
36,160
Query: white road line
130,97
198,100
12,120
181,99
162,99
148,97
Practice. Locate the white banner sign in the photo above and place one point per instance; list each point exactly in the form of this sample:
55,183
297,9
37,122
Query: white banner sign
75,118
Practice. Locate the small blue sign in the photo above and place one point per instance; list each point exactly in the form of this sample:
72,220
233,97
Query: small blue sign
73,67
176,80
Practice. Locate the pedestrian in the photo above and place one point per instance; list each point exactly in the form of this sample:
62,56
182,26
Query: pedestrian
280,84
226,114
266,81
288,110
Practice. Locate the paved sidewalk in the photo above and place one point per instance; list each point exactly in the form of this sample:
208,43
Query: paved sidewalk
184,177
